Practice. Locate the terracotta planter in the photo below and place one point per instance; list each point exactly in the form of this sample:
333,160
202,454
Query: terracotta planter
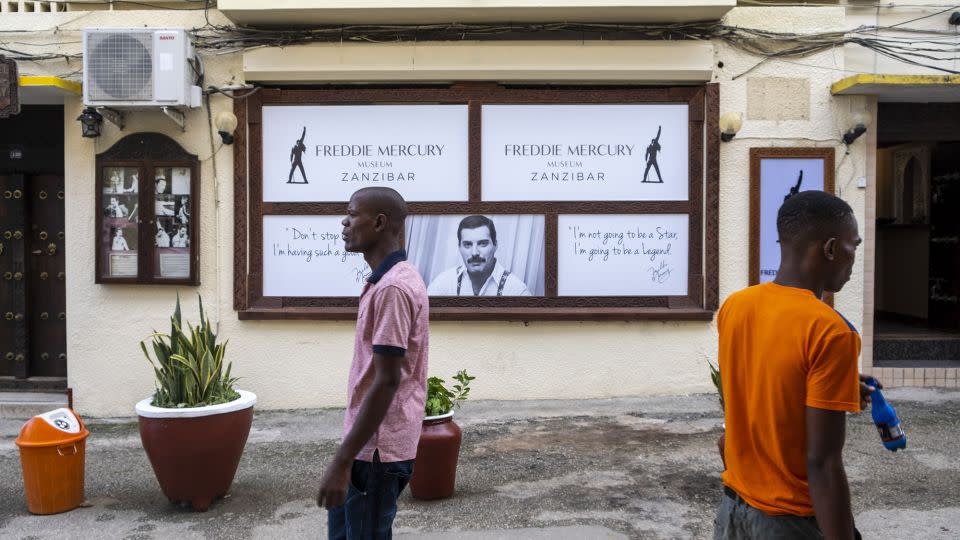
435,471
195,452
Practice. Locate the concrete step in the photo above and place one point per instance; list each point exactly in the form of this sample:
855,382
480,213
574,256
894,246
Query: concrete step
25,405
888,349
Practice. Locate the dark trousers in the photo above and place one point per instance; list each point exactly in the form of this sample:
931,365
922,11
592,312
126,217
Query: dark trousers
737,520
371,501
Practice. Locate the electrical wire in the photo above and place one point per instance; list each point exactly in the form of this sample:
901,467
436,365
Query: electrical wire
914,46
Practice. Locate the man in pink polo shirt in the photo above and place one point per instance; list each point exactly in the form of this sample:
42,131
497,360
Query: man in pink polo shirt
387,387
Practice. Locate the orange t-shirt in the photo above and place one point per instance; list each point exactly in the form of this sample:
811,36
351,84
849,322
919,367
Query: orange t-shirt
781,350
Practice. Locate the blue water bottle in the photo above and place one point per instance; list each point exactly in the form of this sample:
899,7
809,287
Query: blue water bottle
886,419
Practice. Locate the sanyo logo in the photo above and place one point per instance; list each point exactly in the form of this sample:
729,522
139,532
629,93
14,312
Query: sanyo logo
167,38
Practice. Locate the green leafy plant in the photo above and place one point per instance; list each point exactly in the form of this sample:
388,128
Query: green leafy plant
715,377
440,399
189,365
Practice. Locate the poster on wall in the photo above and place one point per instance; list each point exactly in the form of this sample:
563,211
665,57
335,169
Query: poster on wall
305,256
597,152
323,153
776,174
478,255
622,255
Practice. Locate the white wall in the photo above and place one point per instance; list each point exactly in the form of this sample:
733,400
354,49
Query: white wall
293,364
929,15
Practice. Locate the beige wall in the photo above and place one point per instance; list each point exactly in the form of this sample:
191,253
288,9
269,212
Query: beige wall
930,15
304,364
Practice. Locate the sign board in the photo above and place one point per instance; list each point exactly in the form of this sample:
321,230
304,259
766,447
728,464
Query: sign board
9,88
622,255
305,256
324,153
610,152
776,174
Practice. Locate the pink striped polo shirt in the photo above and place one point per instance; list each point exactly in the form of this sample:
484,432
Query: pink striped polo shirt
393,319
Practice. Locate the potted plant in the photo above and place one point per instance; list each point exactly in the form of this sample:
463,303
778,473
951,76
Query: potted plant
196,424
435,472
718,384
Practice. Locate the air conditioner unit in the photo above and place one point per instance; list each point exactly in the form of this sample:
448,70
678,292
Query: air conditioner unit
138,68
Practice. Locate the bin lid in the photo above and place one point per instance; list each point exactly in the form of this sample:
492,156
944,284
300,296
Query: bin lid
59,426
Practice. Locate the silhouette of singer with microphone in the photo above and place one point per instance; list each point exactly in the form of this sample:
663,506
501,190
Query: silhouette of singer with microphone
296,153
651,157
795,189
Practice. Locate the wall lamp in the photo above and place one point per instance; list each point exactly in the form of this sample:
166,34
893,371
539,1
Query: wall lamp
860,122
955,18
91,122
226,123
730,123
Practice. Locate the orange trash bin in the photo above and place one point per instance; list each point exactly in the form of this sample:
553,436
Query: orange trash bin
52,447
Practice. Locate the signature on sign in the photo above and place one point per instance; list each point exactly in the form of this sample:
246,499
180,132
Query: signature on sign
361,274
660,274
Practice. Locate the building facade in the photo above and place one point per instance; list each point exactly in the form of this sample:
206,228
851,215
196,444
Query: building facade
800,78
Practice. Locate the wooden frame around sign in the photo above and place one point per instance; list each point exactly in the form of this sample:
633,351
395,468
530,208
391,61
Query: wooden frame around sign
703,167
756,156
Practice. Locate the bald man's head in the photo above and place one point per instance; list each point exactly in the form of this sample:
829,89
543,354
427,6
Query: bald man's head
386,201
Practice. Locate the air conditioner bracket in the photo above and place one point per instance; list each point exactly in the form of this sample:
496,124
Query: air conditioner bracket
177,116
113,116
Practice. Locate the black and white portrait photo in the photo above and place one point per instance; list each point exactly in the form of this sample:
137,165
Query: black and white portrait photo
161,180
478,255
115,207
123,239
166,205
171,233
181,208
180,180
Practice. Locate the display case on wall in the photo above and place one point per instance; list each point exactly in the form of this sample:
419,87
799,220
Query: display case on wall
147,202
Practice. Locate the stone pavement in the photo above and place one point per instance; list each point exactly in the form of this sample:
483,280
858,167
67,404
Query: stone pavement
619,468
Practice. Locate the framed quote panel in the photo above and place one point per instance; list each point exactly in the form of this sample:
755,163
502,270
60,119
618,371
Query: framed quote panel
517,196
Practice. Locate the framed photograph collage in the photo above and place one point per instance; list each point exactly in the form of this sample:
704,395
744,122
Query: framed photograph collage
576,204
146,212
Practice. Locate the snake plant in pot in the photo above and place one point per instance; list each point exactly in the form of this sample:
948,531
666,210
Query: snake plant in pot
435,472
195,425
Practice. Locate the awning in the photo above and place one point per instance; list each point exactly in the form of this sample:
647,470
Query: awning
901,88
46,90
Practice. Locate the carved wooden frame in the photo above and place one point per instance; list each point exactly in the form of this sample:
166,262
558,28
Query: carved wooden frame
756,156
146,151
702,206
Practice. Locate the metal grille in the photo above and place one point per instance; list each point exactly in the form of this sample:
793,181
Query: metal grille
120,66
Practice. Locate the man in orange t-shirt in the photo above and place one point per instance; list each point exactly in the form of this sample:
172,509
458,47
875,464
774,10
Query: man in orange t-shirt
789,370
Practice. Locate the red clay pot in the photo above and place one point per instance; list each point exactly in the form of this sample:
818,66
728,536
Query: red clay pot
435,471
195,455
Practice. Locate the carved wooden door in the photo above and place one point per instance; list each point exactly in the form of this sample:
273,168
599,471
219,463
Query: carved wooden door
33,325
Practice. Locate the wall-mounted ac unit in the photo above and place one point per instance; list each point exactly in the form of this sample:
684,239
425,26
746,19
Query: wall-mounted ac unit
138,68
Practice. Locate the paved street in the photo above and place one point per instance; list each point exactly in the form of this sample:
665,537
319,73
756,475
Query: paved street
623,468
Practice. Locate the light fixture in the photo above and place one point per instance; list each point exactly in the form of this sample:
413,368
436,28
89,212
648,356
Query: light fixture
730,123
955,18
91,122
860,122
226,123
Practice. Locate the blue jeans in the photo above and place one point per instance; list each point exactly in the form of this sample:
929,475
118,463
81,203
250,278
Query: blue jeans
371,500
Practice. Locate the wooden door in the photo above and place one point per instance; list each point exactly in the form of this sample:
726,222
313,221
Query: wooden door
32,278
